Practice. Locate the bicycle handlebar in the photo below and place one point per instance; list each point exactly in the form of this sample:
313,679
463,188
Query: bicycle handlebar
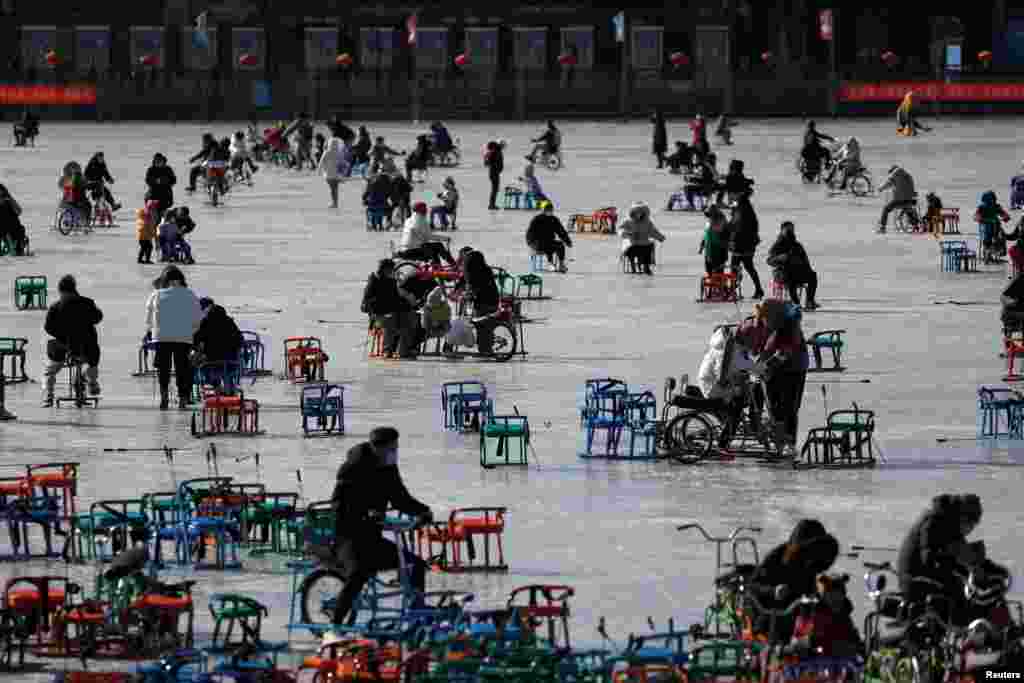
731,537
799,602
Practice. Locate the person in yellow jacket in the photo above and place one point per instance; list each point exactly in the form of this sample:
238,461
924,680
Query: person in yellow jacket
145,231
905,119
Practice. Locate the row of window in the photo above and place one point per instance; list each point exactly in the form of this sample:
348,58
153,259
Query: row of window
378,48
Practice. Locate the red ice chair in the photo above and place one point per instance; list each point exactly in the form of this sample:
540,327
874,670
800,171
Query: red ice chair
304,359
544,605
456,539
217,410
1014,348
718,287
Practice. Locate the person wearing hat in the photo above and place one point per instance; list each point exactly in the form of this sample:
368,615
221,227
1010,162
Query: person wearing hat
792,267
98,179
703,182
494,160
936,548
638,236
173,315
368,484
903,194
790,572
71,322
390,310
160,182
480,284
681,159
218,338
546,235
376,197
735,183
449,196
419,242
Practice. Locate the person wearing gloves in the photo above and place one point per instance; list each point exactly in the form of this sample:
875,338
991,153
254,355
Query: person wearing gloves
782,364
173,316
329,166
71,322
546,235
368,484
638,236
419,242
391,310
790,572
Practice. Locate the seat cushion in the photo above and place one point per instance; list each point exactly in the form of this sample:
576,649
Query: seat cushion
29,598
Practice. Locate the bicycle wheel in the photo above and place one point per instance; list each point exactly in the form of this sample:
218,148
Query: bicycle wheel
214,194
905,220
66,221
504,342
690,437
860,185
318,595
553,162
404,269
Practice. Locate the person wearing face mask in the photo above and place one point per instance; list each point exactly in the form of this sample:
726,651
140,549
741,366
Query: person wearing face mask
368,484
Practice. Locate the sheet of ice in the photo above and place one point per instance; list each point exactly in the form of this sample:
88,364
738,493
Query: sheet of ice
283,261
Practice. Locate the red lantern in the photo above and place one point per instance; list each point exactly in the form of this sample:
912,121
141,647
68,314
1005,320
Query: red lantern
679,59
248,60
52,58
767,56
567,59
149,60
889,57
460,60
985,56
344,59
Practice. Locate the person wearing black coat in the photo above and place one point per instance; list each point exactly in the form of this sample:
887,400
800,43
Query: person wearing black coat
206,153
361,150
659,143
390,310
71,322
98,178
789,572
218,336
735,183
479,280
745,235
10,222
681,159
547,236
936,548
367,485
792,267
160,180
495,162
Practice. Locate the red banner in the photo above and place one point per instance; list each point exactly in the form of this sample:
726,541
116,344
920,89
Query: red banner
47,94
932,91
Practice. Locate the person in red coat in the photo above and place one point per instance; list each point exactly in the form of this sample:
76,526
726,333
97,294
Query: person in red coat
828,629
700,136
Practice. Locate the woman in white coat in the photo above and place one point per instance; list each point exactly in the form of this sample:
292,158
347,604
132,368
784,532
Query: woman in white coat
333,156
173,315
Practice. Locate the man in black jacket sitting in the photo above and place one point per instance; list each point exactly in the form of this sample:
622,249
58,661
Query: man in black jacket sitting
71,322
368,484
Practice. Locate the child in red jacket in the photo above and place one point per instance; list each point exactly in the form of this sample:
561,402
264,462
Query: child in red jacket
828,629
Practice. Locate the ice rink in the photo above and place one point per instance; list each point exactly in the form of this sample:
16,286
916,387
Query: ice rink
281,261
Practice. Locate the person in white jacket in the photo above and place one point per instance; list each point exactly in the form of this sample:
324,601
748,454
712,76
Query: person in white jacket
420,243
328,167
173,315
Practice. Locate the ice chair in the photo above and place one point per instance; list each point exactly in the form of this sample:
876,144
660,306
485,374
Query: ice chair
528,281
545,605
147,360
719,287
513,197
375,342
164,514
253,355
23,506
271,516
207,519
582,223
375,216
500,435
1000,413
778,290
34,601
1014,349
465,405
324,404
846,440
216,410
641,425
456,539
109,527
231,610
607,219
948,222
30,292
831,340
538,262
13,349
603,412
224,377
76,384
677,202
304,359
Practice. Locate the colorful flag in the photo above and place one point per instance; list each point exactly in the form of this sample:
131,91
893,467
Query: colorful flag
410,26
201,34
619,23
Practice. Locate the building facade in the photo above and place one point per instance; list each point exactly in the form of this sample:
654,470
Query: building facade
481,59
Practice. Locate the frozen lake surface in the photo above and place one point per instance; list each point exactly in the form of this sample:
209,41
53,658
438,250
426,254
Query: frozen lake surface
282,261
